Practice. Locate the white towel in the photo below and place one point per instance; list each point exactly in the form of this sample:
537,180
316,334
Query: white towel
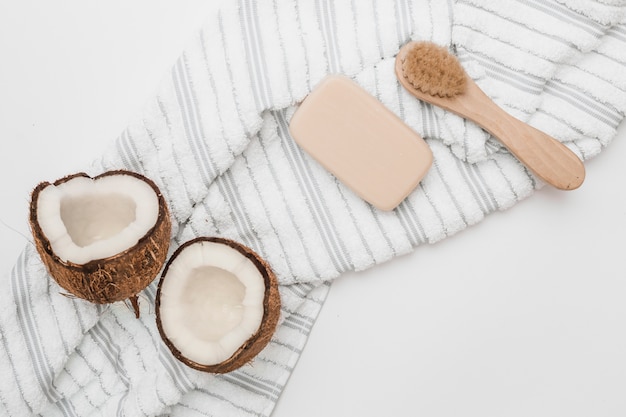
215,140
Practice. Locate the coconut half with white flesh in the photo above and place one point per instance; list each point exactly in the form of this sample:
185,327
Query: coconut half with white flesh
103,239
217,304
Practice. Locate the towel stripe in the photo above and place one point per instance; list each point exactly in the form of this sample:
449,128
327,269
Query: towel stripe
208,145
477,188
110,350
449,190
255,53
618,32
161,182
359,50
286,345
377,29
174,369
239,406
190,117
98,375
324,10
30,332
228,74
411,224
285,203
404,27
324,221
262,201
523,81
125,144
563,13
534,85
602,112
508,181
285,60
245,229
252,385
293,323
13,370
172,366
163,114
302,290
307,67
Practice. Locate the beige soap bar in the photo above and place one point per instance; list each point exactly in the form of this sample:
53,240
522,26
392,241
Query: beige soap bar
361,142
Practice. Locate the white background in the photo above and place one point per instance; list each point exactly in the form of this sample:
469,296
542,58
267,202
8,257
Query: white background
521,315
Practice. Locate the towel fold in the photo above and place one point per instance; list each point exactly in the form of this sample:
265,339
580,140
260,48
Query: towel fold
215,140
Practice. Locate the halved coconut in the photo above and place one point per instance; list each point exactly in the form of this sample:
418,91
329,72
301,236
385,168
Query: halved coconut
217,304
103,239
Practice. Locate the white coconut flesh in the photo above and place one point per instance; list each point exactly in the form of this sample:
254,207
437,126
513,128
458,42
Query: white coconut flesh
211,301
85,219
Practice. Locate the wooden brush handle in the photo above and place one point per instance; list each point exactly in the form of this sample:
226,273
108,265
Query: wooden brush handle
545,156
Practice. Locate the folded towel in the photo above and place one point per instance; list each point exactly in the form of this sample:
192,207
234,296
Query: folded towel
215,139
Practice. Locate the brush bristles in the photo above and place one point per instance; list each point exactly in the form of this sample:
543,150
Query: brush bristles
433,70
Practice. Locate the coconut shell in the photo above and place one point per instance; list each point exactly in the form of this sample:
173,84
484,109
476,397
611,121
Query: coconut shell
271,313
115,278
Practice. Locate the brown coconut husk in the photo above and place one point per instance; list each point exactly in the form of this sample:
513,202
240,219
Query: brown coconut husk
271,313
115,278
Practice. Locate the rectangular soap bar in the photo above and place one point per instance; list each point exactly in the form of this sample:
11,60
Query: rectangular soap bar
361,142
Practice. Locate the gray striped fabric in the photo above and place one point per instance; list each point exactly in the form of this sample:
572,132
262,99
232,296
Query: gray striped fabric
215,139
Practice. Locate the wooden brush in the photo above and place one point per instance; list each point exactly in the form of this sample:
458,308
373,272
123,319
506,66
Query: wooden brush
434,75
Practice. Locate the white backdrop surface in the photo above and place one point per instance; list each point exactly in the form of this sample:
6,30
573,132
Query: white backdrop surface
523,314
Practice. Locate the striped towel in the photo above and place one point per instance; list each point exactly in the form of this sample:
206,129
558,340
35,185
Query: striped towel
215,139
